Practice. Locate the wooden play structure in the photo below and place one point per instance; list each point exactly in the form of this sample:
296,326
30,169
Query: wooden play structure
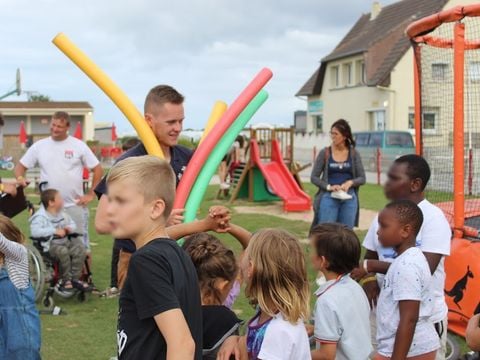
270,172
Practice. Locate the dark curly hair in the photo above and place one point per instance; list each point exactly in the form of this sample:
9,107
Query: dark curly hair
213,261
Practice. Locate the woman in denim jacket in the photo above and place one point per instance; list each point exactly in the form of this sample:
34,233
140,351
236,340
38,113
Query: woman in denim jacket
19,320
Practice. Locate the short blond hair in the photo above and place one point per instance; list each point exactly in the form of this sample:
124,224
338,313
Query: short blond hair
152,177
279,279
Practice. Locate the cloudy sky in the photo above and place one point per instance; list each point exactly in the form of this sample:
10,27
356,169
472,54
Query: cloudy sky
208,49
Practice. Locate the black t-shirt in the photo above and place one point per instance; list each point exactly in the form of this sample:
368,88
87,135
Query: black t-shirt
161,277
219,322
179,158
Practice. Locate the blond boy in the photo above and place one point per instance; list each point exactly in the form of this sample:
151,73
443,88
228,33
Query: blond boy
160,308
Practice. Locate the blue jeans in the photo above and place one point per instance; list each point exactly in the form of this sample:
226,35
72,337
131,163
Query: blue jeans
338,211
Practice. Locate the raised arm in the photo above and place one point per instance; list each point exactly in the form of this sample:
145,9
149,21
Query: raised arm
11,249
242,235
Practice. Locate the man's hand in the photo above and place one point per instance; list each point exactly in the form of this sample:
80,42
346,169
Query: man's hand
176,217
85,199
60,233
21,181
10,188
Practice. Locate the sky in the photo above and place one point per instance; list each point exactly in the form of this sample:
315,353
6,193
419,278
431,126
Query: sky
208,50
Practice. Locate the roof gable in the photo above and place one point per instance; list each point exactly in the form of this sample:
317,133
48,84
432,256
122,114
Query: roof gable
381,40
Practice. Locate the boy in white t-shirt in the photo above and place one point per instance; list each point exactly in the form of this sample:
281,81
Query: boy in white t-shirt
342,327
406,179
404,326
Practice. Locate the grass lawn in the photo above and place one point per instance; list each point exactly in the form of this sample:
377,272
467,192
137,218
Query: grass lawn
88,330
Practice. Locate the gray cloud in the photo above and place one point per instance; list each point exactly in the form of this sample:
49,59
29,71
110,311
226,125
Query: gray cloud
208,49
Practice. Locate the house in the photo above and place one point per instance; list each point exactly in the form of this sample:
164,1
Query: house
36,117
368,78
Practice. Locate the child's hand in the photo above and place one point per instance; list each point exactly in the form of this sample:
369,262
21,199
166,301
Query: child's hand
358,273
372,290
218,219
310,329
176,217
60,232
229,347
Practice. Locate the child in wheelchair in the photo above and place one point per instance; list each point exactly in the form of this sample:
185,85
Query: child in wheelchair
54,229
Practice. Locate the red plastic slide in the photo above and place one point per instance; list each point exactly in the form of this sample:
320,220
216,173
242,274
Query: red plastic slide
280,179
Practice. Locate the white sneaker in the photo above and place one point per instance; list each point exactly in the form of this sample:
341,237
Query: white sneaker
341,195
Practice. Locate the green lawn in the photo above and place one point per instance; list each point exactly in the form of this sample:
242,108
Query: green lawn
88,331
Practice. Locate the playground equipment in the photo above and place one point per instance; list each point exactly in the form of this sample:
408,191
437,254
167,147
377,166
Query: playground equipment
270,172
447,108
119,98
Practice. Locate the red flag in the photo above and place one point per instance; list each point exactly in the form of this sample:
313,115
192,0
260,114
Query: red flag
78,131
23,134
114,132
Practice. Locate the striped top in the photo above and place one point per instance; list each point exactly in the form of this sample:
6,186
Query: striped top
16,262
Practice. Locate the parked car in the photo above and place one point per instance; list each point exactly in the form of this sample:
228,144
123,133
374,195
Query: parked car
389,145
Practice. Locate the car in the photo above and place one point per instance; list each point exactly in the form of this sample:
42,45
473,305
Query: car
380,148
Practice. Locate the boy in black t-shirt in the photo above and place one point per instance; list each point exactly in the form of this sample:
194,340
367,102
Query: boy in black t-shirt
160,308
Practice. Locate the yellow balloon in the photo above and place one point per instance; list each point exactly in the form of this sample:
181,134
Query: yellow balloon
112,91
218,110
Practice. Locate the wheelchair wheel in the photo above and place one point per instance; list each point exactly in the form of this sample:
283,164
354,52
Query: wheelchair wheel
453,348
36,268
48,302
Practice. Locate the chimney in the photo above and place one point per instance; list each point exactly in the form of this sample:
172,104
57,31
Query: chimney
376,9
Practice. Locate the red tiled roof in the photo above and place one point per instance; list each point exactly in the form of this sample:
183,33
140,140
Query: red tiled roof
382,41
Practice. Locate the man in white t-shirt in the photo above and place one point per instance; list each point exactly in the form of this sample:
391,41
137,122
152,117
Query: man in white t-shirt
407,179
61,159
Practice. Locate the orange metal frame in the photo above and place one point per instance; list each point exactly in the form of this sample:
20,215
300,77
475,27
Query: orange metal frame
462,285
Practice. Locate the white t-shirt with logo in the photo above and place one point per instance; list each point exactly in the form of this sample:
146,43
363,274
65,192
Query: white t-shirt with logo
408,278
434,237
61,165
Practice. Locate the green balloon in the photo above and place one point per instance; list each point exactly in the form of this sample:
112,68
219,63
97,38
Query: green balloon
210,167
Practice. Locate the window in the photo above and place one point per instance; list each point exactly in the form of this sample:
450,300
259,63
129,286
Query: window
335,77
430,119
474,70
364,73
347,74
376,140
377,120
361,139
318,123
439,71
399,139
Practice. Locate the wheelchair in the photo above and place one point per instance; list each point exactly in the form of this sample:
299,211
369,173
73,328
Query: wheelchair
44,269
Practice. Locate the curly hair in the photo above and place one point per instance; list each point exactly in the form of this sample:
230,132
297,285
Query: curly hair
213,261
407,212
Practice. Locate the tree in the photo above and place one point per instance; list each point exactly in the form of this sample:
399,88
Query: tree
39,97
